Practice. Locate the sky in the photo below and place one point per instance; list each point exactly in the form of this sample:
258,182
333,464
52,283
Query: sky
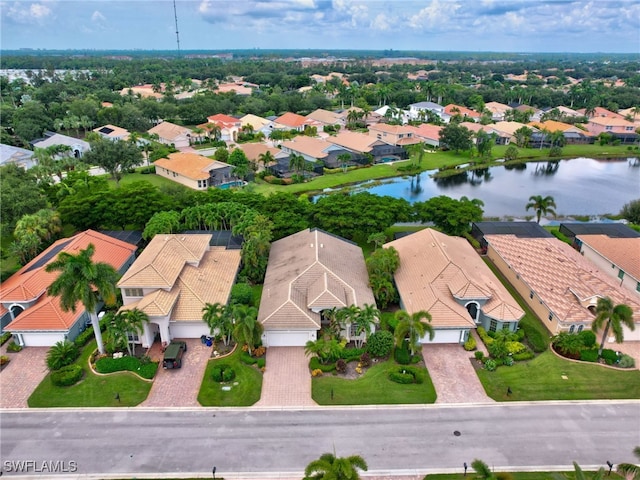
583,26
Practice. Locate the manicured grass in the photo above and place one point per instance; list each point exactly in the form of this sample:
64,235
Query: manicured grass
245,393
555,231
519,476
372,388
93,390
152,178
256,290
542,379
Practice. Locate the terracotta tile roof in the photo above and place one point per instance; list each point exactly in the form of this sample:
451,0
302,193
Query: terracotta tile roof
310,146
224,121
428,131
392,129
497,107
508,127
472,126
436,269
190,165
31,281
358,142
169,130
611,122
325,117
291,120
311,269
554,126
600,112
563,279
450,109
623,252
255,121
114,132
254,150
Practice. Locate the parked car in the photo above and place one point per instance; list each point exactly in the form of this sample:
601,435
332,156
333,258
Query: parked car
173,354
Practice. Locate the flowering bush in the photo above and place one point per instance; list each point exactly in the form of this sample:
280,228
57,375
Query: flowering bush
316,373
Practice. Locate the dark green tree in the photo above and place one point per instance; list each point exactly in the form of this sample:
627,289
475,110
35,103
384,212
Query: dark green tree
456,137
612,316
453,217
116,157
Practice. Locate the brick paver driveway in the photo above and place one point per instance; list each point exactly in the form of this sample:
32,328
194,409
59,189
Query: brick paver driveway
287,381
22,375
180,387
453,375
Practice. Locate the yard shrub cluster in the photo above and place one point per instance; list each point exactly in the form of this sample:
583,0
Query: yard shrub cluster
609,356
534,338
470,344
13,347
67,376
626,361
241,293
223,373
62,354
341,366
350,354
143,367
380,344
402,355
314,364
4,360
5,337
82,339
406,375
365,360
256,359
316,373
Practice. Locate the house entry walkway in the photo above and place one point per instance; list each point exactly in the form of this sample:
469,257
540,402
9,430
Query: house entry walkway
20,377
286,381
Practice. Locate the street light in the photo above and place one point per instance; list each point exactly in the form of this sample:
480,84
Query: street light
465,468
214,472
610,465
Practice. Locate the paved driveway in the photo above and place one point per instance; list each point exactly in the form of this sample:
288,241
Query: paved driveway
22,375
180,387
453,375
286,381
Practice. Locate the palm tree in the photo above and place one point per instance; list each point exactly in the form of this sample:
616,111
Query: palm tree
246,328
327,350
368,316
84,281
612,317
629,470
542,205
266,158
344,159
412,327
580,475
134,320
482,469
330,467
217,317
296,163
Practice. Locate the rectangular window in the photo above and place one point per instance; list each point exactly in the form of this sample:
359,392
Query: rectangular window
608,128
531,294
353,330
133,337
550,316
493,326
133,292
621,274
638,287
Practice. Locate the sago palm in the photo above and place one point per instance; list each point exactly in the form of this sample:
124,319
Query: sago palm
330,467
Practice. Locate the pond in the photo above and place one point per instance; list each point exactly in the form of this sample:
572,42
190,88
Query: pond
580,186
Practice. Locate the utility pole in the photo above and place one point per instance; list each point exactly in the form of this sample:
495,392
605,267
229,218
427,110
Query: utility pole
175,15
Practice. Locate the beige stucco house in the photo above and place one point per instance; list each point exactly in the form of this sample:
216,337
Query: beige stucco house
173,279
193,170
172,134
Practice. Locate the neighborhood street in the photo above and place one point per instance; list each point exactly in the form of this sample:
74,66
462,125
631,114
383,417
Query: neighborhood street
275,443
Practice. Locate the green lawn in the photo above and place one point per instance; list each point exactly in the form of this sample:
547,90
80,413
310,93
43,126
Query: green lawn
152,178
372,388
542,379
93,390
245,393
518,475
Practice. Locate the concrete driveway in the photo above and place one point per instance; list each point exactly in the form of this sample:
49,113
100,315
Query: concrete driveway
453,374
22,375
179,387
286,381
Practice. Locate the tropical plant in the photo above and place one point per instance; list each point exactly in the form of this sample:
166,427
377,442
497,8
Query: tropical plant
568,344
296,163
541,205
218,318
246,328
413,328
612,317
132,321
81,280
330,467
629,470
61,354
482,470
580,475
327,350
367,317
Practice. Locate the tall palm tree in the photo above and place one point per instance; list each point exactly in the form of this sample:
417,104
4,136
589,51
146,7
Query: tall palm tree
368,316
84,281
630,470
135,320
612,317
296,163
330,467
246,328
413,327
217,317
542,205
266,158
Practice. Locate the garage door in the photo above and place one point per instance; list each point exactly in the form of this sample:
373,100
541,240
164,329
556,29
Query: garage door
446,336
188,329
41,339
289,338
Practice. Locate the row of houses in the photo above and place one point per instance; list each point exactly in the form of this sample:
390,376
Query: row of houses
312,271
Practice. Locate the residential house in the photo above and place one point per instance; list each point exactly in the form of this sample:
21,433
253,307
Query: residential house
16,155
418,111
293,121
498,110
632,114
253,151
559,285
37,319
78,147
505,131
314,149
445,276
327,118
600,112
239,88
144,91
112,132
362,146
371,118
427,133
519,229
173,279
172,134
609,228
466,113
308,273
194,171
229,126
535,114
398,135
258,124
571,133
621,129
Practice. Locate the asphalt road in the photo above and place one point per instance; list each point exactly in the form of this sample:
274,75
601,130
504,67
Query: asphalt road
252,443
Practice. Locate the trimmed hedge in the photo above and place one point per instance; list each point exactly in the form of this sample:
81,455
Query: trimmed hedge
380,344
82,339
247,359
261,363
402,354
535,339
5,337
350,354
588,338
522,356
407,375
314,364
609,356
223,373
470,344
131,364
67,376
590,355
484,336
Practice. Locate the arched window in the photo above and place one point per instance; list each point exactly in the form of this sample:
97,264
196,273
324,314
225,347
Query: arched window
580,327
472,308
16,310
572,328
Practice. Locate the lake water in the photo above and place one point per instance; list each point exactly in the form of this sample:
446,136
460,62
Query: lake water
580,186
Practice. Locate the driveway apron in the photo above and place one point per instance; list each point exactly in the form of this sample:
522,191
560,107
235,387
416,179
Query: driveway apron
179,387
286,381
22,375
453,375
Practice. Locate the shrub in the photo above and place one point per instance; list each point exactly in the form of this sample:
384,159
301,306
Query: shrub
626,361
228,374
341,366
536,340
392,323
62,354
407,375
4,360
241,293
526,355
316,373
507,361
314,364
588,338
520,335
380,344
490,364
365,360
589,355
514,348
479,355
486,339
259,351
349,354
145,368
13,347
470,344
261,363
403,378
223,373
402,354
555,151
609,356
5,337
67,376
247,359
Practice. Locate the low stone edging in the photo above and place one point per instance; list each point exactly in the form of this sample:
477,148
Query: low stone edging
93,370
613,367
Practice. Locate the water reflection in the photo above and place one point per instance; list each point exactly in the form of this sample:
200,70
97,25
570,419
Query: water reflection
547,168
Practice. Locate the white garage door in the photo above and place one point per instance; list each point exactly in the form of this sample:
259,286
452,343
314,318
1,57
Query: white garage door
629,336
445,336
188,329
288,339
41,339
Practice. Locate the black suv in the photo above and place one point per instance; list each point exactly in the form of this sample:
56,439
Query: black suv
173,355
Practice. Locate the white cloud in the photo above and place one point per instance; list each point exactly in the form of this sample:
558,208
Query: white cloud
381,22
28,13
437,14
98,17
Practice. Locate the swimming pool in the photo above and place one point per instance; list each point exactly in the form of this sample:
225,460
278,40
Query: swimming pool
236,183
388,159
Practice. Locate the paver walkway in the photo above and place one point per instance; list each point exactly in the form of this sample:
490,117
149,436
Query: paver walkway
179,387
22,375
286,381
453,375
